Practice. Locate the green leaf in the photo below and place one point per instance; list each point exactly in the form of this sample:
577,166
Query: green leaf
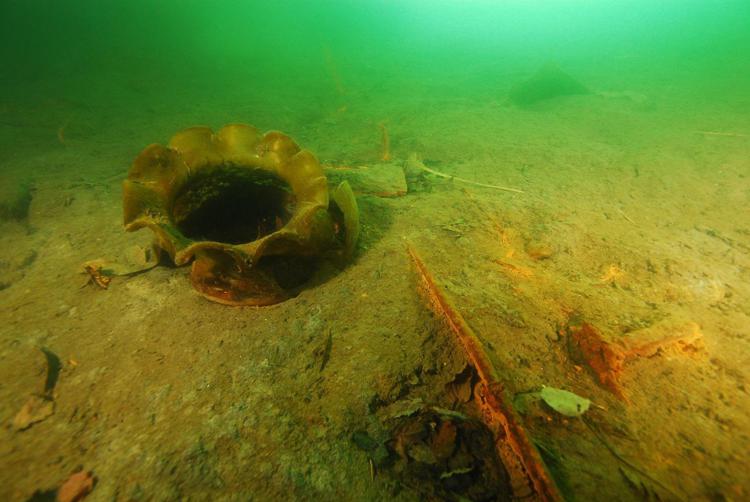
565,402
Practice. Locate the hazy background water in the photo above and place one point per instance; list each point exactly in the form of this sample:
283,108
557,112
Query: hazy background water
287,64
291,42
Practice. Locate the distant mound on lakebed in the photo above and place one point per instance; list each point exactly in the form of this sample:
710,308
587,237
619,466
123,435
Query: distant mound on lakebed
548,83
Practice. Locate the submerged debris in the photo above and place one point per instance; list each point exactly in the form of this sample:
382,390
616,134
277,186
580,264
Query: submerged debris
440,455
526,467
448,457
251,211
606,360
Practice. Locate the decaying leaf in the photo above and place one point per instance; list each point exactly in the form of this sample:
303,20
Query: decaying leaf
444,442
462,386
565,402
456,472
444,412
448,458
403,408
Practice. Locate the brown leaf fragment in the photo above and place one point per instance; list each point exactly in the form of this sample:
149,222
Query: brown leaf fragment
462,386
77,487
456,472
444,442
402,408
36,409
606,360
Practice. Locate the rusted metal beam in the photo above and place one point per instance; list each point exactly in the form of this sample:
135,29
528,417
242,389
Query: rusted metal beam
521,458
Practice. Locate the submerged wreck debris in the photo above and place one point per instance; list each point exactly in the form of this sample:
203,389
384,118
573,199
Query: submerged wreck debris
443,455
606,360
547,83
438,453
524,463
251,211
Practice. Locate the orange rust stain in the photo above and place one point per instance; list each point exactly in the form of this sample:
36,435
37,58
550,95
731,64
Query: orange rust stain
605,360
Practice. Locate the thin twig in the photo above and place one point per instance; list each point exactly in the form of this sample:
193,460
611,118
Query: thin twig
622,213
386,141
718,133
420,165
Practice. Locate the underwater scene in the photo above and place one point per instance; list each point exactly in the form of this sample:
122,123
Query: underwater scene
374,250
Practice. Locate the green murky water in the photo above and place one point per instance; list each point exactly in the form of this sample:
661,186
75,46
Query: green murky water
124,67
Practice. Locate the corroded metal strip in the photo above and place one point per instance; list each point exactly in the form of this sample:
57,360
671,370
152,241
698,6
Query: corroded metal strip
521,458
